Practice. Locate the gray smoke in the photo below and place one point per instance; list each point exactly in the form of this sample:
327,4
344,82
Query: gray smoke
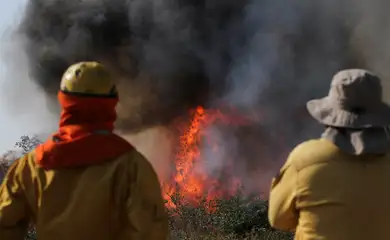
263,57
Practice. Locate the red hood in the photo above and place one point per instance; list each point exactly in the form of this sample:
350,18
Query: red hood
85,135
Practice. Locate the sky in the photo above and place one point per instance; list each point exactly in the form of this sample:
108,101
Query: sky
17,119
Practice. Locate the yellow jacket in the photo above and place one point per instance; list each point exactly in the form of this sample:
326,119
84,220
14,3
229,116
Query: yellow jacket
323,193
116,200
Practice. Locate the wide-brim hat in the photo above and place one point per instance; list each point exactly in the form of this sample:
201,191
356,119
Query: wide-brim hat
354,101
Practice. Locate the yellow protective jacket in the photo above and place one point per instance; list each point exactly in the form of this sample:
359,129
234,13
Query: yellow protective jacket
323,193
117,200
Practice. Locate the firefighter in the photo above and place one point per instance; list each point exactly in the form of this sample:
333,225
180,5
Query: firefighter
84,182
337,187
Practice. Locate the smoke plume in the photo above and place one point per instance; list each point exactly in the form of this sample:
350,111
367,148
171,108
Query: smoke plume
263,57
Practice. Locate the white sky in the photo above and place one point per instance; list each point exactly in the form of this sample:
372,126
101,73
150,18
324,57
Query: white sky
31,118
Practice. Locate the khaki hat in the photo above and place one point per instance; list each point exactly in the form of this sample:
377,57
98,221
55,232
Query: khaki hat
354,101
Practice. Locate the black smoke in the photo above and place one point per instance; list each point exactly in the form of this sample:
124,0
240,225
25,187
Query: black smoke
157,47
175,55
264,57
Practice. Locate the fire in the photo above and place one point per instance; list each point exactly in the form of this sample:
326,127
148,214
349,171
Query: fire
191,182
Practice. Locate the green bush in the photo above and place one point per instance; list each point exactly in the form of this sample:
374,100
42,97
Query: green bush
236,218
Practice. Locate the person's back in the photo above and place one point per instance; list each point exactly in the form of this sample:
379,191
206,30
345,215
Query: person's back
340,196
119,199
336,187
84,182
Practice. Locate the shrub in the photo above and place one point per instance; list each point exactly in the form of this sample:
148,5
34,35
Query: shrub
238,217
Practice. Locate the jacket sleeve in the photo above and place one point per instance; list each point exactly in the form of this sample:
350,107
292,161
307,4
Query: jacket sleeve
146,207
13,218
282,213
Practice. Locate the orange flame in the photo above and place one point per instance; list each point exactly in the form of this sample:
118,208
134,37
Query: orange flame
190,182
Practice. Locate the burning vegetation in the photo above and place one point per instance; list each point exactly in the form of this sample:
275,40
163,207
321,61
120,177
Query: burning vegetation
191,179
263,57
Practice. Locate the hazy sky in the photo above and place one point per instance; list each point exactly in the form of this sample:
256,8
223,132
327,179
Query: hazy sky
9,14
29,119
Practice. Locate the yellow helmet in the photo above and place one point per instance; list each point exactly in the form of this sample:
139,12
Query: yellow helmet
88,79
